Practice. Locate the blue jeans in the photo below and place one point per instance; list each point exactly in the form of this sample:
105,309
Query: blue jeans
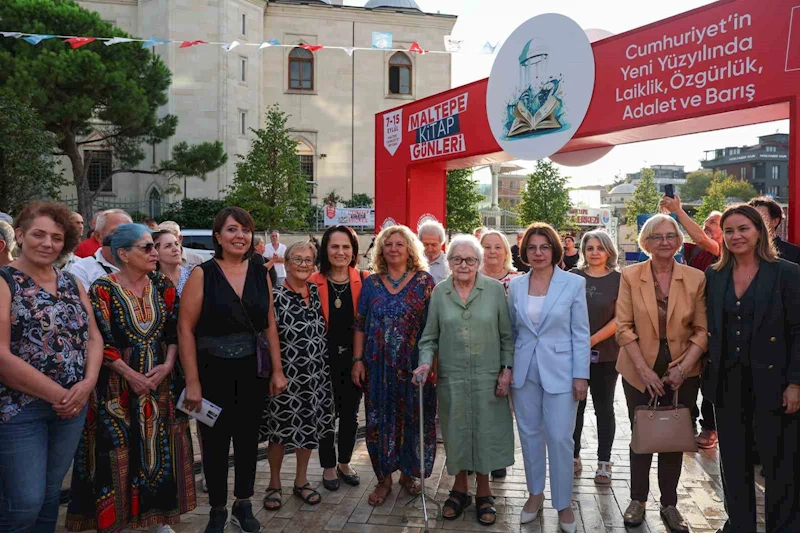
36,449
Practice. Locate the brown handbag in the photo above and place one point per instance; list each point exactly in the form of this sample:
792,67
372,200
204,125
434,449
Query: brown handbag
663,429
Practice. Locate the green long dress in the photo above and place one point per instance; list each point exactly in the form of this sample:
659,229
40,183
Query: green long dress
473,340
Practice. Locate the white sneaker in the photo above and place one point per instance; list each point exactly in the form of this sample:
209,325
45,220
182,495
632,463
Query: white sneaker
161,528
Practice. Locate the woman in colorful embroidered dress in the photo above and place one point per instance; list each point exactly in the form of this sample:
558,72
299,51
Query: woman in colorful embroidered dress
50,354
392,310
134,465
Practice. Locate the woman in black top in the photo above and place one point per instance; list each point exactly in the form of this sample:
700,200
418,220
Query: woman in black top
339,285
753,372
571,254
598,266
225,303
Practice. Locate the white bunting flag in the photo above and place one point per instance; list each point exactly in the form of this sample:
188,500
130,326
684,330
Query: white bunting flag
117,40
231,46
452,45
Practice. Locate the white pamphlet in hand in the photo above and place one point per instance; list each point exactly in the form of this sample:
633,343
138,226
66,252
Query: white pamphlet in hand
208,414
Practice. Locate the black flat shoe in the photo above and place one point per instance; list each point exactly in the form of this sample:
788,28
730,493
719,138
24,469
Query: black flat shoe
499,474
331,484
353,480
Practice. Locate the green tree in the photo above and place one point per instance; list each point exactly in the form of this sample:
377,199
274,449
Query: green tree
194,212
462,201
546,197
696,185
643,202
359,200
112,92
731,187
333,199
27,172
193,161
713,201
269,182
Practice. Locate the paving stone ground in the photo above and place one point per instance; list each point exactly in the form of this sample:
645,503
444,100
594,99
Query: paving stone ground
597,508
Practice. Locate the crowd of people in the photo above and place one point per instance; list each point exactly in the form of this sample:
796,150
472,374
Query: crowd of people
102,340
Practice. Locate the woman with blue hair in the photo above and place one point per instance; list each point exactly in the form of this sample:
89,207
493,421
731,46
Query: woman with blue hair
135,453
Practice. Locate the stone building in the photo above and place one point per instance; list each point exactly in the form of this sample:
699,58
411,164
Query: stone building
331,97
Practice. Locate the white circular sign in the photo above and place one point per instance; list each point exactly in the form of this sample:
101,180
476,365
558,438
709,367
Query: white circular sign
540,87
387,222
427,217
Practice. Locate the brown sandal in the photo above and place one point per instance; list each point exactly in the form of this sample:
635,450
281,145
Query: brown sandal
379,499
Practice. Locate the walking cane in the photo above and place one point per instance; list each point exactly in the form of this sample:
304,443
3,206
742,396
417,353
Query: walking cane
421,496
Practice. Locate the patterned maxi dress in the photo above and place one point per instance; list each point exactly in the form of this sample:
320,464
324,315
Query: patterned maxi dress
134,464
393,325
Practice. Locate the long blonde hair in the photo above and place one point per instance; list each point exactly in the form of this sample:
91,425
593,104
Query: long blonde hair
416,256
765,249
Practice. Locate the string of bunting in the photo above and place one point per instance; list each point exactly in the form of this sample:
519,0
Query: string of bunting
381,41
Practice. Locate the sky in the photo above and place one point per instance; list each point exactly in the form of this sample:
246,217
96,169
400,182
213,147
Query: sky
494,20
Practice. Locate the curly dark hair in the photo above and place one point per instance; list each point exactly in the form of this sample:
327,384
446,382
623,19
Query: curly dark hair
59,213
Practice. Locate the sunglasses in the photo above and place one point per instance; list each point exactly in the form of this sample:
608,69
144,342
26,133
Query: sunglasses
146,248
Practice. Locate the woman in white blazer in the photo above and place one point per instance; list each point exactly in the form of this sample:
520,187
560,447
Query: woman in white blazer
550,324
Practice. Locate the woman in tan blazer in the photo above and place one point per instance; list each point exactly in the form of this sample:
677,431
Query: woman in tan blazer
661,327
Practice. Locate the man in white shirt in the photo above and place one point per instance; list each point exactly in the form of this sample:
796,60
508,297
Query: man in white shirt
89,269
275,251
188,257
433,237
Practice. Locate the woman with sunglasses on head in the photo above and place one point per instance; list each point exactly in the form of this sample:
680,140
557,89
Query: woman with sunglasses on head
661,327
753,372
135,453
339,285
301,416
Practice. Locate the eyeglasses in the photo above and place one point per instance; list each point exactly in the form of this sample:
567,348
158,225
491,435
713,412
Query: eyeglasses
146,248
470,261
544,248
661,238
301,260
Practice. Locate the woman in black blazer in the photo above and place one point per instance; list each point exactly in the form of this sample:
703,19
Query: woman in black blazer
753,373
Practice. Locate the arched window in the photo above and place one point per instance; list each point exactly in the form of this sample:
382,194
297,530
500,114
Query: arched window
301,69
400,74
154,203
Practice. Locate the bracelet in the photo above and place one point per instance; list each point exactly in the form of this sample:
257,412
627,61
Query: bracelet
358,359
680,369
505,367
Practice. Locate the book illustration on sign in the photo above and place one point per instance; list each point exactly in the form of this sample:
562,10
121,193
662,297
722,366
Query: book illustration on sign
539,108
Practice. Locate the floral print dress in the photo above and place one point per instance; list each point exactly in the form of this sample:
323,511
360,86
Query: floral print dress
393,324
134,467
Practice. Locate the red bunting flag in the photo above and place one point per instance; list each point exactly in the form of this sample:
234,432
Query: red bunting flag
312,47
77,42
415,47
188,44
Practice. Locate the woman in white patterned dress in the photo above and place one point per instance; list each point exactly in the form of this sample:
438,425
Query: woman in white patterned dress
298,418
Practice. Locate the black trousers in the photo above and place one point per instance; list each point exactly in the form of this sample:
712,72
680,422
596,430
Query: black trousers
669,464
346,399
602,384
775,434
233,385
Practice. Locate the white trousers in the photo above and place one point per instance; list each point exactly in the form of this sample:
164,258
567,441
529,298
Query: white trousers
546,423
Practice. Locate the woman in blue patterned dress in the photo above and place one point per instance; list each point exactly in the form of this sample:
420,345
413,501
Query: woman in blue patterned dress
50,354
392,311
134,467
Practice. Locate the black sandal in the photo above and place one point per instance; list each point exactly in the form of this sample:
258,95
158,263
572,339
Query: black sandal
298,491
480,502
457,501
270,499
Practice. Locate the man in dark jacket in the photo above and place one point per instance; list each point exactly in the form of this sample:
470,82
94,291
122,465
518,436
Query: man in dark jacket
772,213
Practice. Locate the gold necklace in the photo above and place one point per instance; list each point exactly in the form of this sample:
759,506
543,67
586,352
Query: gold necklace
338,301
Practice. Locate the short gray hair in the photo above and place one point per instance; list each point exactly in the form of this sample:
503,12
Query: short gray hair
300,246
651,225
7,235
432,227
258,239
465,240
102,218
605,242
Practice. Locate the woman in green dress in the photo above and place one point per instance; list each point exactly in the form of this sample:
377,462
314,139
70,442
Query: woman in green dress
469,326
